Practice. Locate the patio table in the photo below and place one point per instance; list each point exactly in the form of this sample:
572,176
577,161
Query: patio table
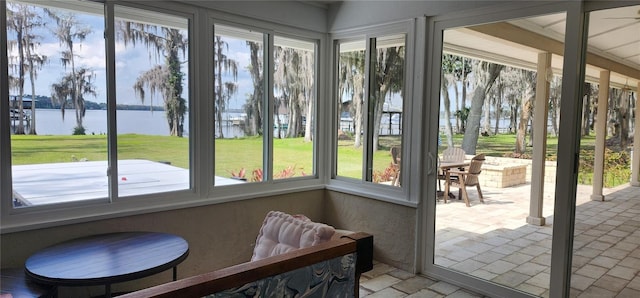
445,166
106,259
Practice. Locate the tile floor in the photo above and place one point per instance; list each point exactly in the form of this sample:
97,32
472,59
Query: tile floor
385,281
492,241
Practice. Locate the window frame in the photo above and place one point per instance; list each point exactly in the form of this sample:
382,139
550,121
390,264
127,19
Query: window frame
202,191
566,180
403,195
270,185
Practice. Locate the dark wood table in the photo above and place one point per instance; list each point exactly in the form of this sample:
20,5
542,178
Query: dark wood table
107,258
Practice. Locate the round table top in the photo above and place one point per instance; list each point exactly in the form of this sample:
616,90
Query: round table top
107,258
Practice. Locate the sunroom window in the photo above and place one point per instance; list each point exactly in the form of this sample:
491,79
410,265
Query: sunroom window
239,105
370,93
293,107
62,128
263,119
152,114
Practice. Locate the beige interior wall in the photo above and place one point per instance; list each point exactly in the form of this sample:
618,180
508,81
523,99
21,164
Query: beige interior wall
393,226
221,235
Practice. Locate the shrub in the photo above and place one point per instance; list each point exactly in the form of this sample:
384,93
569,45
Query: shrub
386,175
616,167
79,130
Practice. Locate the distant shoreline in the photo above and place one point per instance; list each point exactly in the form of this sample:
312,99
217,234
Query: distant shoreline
44,102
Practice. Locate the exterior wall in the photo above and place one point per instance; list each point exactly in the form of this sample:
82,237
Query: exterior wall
393,226
219,235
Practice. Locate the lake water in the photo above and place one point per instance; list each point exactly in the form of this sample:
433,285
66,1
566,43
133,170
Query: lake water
49,122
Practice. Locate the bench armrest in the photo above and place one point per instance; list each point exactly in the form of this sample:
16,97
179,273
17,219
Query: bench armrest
358,244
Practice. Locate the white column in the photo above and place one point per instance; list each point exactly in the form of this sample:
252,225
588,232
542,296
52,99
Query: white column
635,161
601,136
540,116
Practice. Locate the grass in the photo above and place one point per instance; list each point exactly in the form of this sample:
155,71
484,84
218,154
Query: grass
505,144
292,155
29,149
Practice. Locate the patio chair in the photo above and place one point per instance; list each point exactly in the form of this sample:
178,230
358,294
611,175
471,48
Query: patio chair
395,164
468,177
451,154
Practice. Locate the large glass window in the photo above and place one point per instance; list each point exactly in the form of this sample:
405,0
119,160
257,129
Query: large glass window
294,100
370,96
152,101
57,103
60,104
386,107
350,93
240,100
258,116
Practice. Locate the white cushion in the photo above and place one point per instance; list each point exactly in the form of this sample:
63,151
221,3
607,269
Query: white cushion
281,233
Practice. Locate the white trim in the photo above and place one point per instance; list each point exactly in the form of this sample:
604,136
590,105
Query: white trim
568,150
399,195
202,191
370,190
427,211
5,125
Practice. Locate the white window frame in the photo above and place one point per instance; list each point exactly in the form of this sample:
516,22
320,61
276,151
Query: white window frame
202,190
269,185
404,195
564,206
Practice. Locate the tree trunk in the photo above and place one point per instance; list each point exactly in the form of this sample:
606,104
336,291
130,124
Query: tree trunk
20,128
513,120
525,115
498,105
358,87
586,109
613,113
308,137
555,103
470,140
32,124
444,87
218,96
381,95
487,117
624,119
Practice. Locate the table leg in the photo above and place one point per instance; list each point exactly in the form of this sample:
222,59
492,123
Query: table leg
107,290
175,273
446,185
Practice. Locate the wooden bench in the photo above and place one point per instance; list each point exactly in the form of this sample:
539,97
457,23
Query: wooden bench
332,267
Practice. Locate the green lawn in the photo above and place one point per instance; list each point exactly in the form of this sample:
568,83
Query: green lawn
291,155
505,144
28,149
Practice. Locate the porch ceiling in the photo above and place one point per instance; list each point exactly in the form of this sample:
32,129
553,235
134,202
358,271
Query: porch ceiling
613,44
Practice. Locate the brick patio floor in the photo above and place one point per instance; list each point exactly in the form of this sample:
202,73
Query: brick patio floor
492,241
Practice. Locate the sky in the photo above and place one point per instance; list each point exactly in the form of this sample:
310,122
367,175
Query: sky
130,62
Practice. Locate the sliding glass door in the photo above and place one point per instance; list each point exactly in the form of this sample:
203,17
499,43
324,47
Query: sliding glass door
606,234
496,92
